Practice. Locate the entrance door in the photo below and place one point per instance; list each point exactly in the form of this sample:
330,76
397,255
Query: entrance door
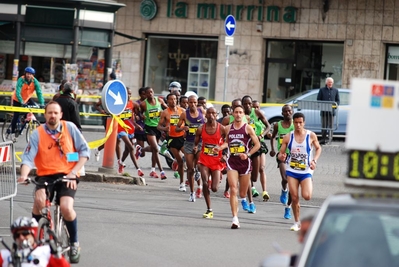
280,82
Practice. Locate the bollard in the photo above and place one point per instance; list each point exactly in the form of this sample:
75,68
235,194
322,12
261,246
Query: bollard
109,149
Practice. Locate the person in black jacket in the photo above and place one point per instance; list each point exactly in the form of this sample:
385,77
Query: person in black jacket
327,93
70,109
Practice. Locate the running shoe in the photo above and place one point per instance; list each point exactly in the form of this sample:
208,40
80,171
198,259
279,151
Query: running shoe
208,214
187,183
154,174
235,224
252,208
244,204
287,213
163,176
197,175
164,147
182,187
121,167
284,196
176,175
13,138
192,197
265,196
255,192
140,173
138,152
74,254
226,194
97,154
175,165
296,227
198,193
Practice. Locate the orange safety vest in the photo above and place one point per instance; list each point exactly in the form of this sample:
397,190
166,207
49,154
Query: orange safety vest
27,91
173,121
49,160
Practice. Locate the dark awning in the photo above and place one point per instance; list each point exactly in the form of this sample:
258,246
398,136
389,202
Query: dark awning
129,36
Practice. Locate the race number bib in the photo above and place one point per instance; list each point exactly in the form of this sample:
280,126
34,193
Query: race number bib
174,119
193,129
236,148
154,113
208,150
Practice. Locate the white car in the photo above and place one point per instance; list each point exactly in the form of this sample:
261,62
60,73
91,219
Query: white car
312,116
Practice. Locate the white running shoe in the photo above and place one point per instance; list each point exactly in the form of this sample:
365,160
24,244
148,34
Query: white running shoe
192,197
235,224
97,154
296,227
182,187
13,138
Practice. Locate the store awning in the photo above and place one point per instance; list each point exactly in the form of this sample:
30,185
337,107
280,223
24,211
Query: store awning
129,36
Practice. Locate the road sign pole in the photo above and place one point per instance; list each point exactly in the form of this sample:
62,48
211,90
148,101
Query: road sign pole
229,28
109,148
226,71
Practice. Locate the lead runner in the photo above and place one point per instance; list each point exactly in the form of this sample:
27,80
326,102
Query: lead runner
238,141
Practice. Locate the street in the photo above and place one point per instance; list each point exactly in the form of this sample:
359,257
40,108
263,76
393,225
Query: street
155,225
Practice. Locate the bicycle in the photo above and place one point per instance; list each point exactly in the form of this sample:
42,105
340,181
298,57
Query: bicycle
47,225
27,121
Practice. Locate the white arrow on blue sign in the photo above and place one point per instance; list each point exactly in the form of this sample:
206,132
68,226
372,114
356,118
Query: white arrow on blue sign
114,97
230,25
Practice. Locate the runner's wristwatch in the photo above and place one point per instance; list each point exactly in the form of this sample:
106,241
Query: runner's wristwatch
248,155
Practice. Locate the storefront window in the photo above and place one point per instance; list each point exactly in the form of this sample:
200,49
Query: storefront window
392,63
297,66
190,61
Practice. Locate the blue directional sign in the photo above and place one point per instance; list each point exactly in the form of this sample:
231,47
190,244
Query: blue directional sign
230,25
114,97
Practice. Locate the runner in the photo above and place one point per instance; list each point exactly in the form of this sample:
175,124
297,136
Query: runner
168,123
300,163
151,109
127,136
256,116
192,119
280,129
239,139
139,134
212,134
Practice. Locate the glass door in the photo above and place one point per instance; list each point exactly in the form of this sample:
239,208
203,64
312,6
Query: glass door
280,82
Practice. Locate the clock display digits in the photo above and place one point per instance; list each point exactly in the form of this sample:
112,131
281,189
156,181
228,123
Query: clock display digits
370,165
396,167
355,164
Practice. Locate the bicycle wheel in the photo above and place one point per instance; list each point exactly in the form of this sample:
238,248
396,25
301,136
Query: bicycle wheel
63,239
6,129
61,233
43,234
30,127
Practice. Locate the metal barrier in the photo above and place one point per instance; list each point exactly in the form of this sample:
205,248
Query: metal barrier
8,175
320,116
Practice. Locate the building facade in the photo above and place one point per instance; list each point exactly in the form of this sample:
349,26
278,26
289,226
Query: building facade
281,47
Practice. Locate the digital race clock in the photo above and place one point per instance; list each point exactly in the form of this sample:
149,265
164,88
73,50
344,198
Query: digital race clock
367,166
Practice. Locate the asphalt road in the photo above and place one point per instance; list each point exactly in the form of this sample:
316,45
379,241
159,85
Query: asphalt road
155,225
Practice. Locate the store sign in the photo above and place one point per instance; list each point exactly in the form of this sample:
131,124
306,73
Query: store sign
148,9
393,55
249,12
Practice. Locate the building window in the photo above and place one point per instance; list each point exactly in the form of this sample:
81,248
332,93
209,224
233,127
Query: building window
392,64
188,60
293,67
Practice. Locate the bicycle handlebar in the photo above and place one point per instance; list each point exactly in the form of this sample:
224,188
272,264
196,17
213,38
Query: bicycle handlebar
58,180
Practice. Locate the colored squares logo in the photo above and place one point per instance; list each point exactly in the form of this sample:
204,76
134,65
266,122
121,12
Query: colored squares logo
382,96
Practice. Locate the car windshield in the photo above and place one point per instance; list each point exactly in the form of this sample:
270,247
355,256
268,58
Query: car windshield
292,98
356,237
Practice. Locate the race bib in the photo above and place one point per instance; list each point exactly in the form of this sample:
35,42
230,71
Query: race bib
174,119
208,150
252,123
296,165
154,113
193,129
236,148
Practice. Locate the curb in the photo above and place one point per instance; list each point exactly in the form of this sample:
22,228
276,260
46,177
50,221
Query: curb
102,178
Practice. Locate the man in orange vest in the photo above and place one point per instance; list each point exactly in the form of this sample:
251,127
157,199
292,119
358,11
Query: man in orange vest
27,85
57,149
